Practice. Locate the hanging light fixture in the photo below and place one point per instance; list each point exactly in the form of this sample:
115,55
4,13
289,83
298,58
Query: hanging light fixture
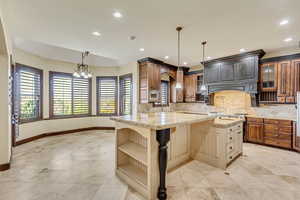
179,69
82,70
203,88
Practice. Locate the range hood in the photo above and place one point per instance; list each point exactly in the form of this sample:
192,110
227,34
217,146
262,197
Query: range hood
237,72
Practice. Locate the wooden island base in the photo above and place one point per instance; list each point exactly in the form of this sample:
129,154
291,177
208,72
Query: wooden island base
144,155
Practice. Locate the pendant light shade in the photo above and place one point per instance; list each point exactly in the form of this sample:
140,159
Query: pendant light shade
203,88
179,70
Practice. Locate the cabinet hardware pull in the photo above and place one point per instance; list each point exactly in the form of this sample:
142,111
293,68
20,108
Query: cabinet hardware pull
230,148
230,138
230,157
239,132
230,129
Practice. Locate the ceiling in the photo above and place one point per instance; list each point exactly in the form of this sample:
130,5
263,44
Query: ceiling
227,25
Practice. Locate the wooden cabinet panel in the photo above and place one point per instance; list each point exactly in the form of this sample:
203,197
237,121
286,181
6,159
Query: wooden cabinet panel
271,121
190,87
285,82
255,132
253,119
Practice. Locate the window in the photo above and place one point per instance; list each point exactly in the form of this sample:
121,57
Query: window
164,94
69,96
107,95
126,94
28,95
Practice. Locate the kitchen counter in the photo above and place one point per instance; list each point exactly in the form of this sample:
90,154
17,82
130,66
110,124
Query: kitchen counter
162,120
291,118
148,145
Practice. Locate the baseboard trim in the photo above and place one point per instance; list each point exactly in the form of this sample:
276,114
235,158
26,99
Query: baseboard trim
61,133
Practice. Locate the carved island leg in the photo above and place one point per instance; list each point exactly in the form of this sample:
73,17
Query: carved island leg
163,137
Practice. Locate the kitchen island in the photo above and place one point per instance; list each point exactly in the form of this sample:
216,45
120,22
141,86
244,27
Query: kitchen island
150,144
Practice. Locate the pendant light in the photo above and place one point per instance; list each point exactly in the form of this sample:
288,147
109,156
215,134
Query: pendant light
179,69
203,88
82,70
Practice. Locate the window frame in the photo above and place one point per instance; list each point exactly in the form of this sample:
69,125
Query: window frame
17,98
115,78
51,108
121,95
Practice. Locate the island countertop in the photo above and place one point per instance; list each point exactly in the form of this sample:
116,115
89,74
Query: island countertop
162,120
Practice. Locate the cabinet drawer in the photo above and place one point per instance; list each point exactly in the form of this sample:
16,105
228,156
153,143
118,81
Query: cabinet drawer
278,143
285,123
270,128
230,137
257,120
285,137
270,135
285,130
271,121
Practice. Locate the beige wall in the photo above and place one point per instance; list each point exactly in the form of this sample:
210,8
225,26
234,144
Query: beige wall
46,126
5,127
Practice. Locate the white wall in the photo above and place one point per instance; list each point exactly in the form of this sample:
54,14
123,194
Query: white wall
45,126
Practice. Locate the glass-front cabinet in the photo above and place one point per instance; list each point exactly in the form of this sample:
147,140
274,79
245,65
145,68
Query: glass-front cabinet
268,78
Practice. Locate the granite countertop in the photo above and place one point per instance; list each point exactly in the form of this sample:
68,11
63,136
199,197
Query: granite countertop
162,120
225,123
292,118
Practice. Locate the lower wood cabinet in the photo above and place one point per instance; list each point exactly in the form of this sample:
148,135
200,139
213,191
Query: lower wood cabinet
270,131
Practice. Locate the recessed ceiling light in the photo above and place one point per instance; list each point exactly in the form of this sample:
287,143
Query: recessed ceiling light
185,63
166,57
242,50
142,49
284,22
208,57
288,39
96,33
117,15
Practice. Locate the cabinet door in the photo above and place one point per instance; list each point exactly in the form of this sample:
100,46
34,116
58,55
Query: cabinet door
268,77
154,76
296,66
245,69
284,81
255,132
190,88
212,73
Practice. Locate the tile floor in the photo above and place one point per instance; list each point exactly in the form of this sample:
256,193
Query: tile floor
81,167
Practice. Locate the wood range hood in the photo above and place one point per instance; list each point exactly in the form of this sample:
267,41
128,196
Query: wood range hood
237,72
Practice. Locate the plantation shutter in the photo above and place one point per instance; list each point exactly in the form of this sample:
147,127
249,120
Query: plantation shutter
81,98
126,95
164,88
69,96
29,93
107,94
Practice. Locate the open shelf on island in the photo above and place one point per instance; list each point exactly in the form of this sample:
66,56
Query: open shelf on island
134,173
136,151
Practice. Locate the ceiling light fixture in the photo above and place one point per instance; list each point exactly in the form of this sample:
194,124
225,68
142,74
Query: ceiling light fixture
185,63
117,15
288,39
203,88
179,69
166,57
82,70
208,57
242,50
142,49
284,22
96,33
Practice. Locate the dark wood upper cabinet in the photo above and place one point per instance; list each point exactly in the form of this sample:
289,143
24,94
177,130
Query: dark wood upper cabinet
212,73
227,71
190,88
245,69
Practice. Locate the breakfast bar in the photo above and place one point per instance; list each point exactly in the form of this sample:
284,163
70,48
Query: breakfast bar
150,144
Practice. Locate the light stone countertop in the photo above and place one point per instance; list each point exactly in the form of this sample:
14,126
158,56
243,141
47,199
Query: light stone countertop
162,120
225,123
